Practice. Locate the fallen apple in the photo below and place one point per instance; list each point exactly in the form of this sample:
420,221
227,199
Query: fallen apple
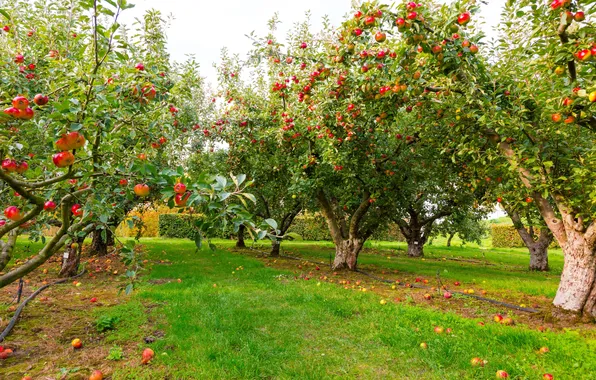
147,355
76,343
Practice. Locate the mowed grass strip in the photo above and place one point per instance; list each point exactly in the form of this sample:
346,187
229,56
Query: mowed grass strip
259,322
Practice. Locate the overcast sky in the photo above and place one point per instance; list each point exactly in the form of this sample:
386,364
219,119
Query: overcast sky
203,28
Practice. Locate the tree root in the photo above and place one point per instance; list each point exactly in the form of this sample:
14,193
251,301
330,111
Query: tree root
15,317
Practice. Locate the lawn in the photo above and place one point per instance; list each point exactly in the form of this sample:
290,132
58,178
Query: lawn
229,314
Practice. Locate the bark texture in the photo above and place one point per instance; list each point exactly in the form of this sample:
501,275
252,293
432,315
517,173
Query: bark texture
538,247
71,259
99,245
240,238
348,231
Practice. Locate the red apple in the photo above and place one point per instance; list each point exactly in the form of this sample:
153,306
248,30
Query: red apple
439,330
63,159
179,188
412,16
423,345
498,318
556,117
380,37
22,167
464,18
181,199
543,350
502,374
13,213
427,296
584,55
447,295
77,209
9,165
400,22
75,140
49,206
19,58
123,182
12,112
147,355
477,362
76,343
368,21
139,66
20,102
40,99
473,49
548,376
96,375
141,190
579,16
93,300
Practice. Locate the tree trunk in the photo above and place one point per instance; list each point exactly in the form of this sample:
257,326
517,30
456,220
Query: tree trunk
346,254
449,240
577,289
71,259
240,237
275,245
539,251
98,245
415,241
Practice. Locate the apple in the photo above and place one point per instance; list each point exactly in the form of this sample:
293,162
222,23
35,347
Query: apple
473,49
543,350
9,165
181,199
63,159
427,297
584,55
547,376
400,22
368,21
412,16
13,213
12,112
556,117
592,96
149,92
76,343
75,140
457,283
2,222
49,206
579,16
141,190
380,37
139,66
76,209
179,188
19,58
464,18
439,330
27,378
477,362
502,374
22,167
423,345
447,295
96,375
498,318
303,45
20,102
507,321
357,31
93,300
147,355
123,182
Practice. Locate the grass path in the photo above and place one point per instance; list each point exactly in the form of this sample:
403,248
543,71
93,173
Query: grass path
232,316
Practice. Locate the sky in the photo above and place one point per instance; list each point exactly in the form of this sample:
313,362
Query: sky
203,28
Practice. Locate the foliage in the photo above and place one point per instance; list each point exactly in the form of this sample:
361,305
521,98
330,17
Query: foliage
116,353
506,236
105,323
469,226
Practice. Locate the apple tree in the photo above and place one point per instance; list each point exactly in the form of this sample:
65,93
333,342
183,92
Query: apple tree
84,102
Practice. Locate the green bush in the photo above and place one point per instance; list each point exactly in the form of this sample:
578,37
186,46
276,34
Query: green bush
506,236
314,227
182,226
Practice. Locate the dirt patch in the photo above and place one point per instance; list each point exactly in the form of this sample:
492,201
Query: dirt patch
41,339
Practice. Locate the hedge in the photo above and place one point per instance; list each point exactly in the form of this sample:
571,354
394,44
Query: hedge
506,236
149,215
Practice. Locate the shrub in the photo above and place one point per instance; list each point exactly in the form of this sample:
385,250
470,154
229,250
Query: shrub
105,323
181,226
149,215
506,236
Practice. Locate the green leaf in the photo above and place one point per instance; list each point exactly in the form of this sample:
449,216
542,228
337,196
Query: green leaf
198,242
5,14
272,223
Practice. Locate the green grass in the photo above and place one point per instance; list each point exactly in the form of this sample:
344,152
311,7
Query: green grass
261,323
497,270
256,324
